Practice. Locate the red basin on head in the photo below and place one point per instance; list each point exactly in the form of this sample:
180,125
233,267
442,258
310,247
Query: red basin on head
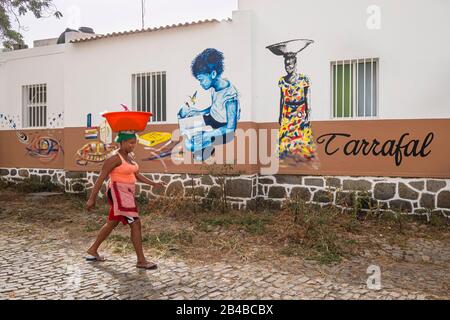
128,120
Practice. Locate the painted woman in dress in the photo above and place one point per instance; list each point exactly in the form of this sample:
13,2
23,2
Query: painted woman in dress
295,135
295,140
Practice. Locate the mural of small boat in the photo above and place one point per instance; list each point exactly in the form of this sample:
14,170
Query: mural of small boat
94,152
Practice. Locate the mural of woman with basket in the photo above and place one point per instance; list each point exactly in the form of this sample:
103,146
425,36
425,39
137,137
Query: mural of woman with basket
295,140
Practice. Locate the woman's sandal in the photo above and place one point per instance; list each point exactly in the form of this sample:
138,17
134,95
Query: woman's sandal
148,266
92,258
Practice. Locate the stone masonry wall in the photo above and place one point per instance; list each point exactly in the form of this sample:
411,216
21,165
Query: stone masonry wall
417,196
241,190
56,176
389,194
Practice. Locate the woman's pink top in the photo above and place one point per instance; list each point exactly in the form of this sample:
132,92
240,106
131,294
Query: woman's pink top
124,173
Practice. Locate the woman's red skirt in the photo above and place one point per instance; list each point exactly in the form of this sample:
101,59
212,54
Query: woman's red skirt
111,215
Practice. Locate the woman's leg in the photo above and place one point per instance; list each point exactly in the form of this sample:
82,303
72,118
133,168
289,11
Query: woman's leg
105,231
136,238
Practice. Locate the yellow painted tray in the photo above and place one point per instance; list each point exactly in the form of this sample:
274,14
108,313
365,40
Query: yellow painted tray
151,139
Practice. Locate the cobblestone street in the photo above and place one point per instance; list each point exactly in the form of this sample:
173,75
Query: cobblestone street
50,269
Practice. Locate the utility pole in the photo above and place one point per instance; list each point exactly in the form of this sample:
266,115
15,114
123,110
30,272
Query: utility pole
143,12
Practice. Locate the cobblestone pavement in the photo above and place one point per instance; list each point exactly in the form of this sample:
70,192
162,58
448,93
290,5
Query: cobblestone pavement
51,269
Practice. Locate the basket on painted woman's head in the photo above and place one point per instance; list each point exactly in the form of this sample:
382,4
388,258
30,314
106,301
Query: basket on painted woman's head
291,47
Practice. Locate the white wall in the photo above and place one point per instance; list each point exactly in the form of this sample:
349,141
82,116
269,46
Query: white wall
98,73
27,67
413,47
94,76
90,77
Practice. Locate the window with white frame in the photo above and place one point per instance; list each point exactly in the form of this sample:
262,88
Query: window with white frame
354,88
34,105
149,94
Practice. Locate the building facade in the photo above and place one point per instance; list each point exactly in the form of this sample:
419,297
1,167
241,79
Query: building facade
356,86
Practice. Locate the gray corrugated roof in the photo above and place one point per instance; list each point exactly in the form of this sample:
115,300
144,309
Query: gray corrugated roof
123,33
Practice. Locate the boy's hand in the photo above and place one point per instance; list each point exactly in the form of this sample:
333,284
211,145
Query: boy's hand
182,112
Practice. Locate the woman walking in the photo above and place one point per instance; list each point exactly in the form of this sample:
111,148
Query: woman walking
123,172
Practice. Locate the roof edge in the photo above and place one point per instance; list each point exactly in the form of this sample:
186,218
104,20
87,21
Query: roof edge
124,33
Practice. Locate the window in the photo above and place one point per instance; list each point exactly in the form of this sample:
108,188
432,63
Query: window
149,94
34,104
354,88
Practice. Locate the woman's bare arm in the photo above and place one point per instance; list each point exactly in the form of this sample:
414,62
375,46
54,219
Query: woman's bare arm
108,166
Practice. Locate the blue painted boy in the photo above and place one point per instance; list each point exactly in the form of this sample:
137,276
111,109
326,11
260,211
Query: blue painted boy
223,114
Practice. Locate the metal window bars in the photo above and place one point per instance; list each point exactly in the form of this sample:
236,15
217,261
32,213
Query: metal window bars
149,94
354,88
34,103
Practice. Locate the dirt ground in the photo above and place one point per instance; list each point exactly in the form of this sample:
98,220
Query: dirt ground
322,239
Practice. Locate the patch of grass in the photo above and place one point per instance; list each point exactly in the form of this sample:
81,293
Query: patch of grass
30,186
165,238
77,201
229,245
350,223
165,242
175,206
5,184
400,223
118,238
439,221
313,232
142,202
321,256
251,223
93,224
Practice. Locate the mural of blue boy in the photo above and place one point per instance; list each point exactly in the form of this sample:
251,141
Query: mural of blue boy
216,124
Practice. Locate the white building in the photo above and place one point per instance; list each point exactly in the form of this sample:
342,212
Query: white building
396,68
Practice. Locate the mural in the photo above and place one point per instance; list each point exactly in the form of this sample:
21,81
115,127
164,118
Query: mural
7,121
295,139
152,141
44,147
397,149
95,152
159,145
203,128
56,120
91,134
105,132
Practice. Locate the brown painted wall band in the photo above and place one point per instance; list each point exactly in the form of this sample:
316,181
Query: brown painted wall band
405,148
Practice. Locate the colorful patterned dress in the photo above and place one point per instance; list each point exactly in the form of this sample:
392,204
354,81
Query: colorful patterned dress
295,136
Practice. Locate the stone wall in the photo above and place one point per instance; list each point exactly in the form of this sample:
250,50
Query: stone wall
241,190
417,196
367,193
56,176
